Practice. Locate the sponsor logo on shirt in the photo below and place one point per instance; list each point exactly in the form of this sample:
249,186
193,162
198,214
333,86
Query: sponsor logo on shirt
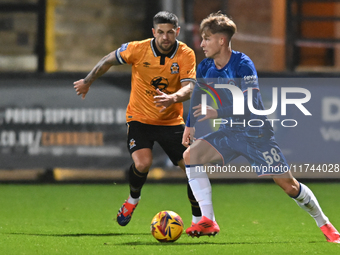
250,79
160,83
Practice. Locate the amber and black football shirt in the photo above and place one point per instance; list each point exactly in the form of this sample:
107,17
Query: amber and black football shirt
152,70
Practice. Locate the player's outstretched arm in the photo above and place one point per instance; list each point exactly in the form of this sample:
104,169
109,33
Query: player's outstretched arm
82,86
164,100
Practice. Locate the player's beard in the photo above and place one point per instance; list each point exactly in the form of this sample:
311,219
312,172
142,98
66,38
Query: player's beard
168,48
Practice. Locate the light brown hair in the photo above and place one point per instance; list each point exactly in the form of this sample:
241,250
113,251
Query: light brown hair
218,23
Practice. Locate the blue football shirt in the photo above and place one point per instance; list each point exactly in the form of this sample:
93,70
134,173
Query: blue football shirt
240,72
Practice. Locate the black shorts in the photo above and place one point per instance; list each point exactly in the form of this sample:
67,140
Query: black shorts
142,136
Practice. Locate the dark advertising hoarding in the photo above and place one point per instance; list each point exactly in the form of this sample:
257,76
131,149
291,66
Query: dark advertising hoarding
43,123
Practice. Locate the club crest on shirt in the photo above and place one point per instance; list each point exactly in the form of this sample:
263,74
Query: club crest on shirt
174,68
231,82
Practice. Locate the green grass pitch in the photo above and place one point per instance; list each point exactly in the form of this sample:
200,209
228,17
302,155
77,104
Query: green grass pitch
78,219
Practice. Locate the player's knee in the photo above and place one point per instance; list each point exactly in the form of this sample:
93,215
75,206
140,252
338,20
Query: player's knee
186,156
192,157
143,166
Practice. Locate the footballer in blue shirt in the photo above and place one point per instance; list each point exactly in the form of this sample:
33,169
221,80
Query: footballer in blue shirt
246,134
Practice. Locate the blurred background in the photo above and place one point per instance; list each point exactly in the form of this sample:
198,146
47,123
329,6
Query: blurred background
47,133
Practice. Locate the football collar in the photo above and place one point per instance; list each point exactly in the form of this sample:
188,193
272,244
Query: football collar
157,53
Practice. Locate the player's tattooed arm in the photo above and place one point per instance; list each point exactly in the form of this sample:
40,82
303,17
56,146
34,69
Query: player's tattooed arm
82,86
101,67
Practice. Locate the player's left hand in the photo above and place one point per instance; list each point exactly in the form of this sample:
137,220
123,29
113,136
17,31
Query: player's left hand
163,100
211,112
188,136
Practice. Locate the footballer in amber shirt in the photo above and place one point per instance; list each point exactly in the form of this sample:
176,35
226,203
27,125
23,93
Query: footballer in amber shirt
151,70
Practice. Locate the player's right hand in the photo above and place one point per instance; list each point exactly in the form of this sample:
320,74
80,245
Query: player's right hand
81,88
163,100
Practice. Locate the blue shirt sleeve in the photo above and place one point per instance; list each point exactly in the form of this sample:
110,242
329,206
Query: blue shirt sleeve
247,77
195,99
